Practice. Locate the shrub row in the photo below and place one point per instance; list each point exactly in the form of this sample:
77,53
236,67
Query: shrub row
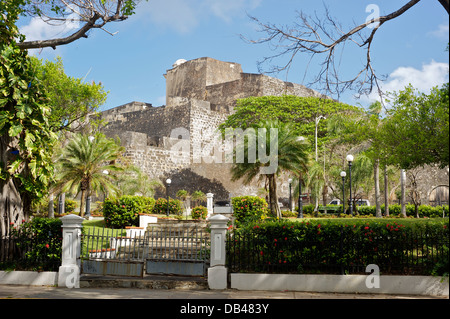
394,210
424,210
37,245
311,246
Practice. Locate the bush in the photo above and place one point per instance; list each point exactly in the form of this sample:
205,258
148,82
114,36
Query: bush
288,213
125,210
248,209
40,244
199,212
175,207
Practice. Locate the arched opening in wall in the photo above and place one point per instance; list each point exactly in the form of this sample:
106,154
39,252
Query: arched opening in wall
439,196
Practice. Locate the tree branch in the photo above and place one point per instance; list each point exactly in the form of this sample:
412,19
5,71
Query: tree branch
93,13
308,36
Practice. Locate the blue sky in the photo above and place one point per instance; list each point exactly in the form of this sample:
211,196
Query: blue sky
131,64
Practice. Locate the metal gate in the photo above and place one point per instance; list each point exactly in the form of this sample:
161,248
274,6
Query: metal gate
175,249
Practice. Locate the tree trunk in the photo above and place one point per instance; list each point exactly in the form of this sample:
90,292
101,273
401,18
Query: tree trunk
376,175
83,195
51,210
386,193
273,197
324,197
13,205
403,185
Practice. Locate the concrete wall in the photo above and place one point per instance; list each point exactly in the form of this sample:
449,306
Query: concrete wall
408,285
29,278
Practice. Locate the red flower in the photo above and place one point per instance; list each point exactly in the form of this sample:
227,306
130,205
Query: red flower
285,238
47,246
318,226
261,253
275,240
366,227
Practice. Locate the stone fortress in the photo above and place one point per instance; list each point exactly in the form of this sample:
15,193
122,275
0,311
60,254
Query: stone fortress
200,94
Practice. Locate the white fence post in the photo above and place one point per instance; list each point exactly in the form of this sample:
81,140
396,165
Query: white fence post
217,273
69,271
209,203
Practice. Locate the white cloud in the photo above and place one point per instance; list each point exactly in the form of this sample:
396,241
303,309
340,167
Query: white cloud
184,16
442,32
431,74
37,29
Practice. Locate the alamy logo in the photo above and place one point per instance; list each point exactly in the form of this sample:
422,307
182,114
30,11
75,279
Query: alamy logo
374,14
238,146
373,280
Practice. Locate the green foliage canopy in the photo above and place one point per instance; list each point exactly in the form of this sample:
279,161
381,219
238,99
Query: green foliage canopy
416,132
300,111
70,99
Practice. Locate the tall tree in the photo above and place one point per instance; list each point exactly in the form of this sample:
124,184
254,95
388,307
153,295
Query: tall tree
26,138
416,129
88,163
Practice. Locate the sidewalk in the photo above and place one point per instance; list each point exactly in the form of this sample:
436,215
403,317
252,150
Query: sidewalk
45,292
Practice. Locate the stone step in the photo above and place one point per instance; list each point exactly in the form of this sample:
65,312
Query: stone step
146,282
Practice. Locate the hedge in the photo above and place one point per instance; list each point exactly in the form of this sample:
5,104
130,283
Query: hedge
394,210
175,207
424,210
37,245
125,210
414,247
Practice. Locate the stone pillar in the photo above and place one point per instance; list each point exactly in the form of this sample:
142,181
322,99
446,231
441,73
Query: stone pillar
209,203
69,271
217,272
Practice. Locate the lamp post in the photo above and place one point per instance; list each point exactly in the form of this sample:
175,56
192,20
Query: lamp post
300,200
343,174
88,195
350,160
168,181
290,195
318,118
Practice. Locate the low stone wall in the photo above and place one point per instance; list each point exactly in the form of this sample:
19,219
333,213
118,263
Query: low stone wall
408,285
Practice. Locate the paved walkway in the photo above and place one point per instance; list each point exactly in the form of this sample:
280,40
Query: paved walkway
44,292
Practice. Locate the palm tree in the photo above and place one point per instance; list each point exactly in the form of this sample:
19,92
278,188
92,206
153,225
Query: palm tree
133,181
88,163
198,197
291,156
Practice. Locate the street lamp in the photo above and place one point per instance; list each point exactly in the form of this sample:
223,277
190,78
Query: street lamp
300,202
290,196
168,181
350,160
318,118
343,174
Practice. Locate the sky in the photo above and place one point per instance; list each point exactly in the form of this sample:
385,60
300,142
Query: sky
131,58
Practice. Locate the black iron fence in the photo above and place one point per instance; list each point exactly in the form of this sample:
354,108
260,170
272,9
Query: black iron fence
28,253
410,254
